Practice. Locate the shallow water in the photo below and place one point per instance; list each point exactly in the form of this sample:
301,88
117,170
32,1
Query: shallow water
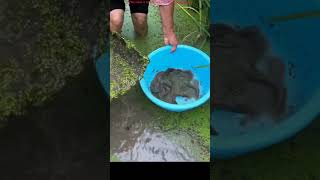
137,134
155,146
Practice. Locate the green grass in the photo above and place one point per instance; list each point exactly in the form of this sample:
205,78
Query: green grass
198,12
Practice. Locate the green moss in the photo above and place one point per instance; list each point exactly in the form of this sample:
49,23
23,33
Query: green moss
45,48
103,40
114,158
11,101
196,122
126,65
123,76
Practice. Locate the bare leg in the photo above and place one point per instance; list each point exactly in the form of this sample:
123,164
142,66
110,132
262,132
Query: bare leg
116,20
140,23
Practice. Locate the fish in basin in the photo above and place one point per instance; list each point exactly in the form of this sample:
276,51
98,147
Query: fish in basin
246,77
172,83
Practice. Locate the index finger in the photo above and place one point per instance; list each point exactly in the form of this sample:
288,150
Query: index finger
174,48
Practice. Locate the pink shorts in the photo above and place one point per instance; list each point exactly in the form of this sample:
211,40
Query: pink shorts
161,2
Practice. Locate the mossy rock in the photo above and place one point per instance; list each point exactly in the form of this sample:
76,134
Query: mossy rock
127,65
43,43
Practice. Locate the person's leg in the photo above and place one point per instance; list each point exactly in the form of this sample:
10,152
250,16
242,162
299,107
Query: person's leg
117,8
140,23
139,11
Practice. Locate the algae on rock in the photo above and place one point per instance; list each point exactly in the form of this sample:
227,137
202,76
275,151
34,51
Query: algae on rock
127,65
42,44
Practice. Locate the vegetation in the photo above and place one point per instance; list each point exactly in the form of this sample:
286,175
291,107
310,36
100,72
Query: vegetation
198,12
196,122
127,65
294,16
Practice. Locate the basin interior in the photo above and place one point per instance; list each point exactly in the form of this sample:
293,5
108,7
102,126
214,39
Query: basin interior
295,41
185,58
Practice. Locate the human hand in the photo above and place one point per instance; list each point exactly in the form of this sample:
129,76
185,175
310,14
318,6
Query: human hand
171,39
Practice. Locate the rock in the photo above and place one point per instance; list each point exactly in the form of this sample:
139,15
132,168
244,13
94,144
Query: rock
127,65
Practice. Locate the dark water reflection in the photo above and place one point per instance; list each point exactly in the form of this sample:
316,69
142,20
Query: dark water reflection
65,139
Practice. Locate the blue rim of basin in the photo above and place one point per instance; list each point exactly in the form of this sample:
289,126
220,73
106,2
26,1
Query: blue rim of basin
102,68
231,147
168,106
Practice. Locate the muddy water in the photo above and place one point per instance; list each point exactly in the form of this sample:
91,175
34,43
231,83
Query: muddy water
155,146
134,136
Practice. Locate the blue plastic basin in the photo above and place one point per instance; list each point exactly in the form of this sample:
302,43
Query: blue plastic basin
186,58
102,68
296,42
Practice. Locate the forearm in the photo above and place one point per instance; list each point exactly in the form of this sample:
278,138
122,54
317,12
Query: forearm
166,8
166,13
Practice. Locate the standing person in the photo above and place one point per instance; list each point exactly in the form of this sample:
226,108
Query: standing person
139,12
